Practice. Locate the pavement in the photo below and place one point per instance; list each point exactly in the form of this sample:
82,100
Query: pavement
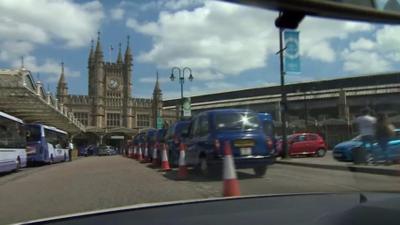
94,183
328,162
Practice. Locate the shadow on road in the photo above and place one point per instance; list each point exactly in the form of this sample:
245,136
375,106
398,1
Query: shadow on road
196,177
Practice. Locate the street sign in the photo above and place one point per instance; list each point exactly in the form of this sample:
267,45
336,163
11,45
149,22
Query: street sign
187,109
160,122
291,54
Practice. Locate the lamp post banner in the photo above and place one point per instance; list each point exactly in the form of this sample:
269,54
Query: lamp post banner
187,111
291,53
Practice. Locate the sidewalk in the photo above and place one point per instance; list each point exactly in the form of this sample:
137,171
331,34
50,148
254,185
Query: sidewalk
328,162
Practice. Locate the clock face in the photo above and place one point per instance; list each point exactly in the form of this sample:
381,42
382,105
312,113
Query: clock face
113,84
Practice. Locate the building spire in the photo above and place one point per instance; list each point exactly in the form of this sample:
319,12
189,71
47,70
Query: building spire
62,89
91,54
157,89
119,59
99,52
128,53
61,81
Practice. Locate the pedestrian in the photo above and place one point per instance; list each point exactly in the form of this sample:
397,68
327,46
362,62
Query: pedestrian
384,131
70,148
366,127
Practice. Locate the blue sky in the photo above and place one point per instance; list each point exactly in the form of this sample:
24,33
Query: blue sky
227,46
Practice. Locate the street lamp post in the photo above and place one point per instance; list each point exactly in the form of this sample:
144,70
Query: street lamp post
181,75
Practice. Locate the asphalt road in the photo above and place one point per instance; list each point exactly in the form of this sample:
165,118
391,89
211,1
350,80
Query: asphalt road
102,182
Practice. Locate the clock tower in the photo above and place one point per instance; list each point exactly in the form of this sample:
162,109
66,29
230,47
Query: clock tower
110,88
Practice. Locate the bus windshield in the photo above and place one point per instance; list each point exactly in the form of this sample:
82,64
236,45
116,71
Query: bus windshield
33,133
12,134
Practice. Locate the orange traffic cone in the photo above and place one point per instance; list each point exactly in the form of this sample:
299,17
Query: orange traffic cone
231,184
164,160
155,155
139,155
183,171
134,154
145,155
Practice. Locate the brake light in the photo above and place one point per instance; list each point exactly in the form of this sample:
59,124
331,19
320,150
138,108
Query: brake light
270,143
217,145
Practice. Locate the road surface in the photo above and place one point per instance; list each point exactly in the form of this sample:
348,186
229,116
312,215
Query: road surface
102,182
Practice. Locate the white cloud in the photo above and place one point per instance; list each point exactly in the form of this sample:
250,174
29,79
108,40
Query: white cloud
363,62
49,70
44,20
12,50
316,35
206,40
169,4
117,13
152,80
388,38
26,24
362,44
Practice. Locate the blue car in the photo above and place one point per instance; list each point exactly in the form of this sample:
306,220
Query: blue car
160,140
173,138
268,127
343,151
242,128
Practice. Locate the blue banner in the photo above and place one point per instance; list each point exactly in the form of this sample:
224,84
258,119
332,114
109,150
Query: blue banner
291,59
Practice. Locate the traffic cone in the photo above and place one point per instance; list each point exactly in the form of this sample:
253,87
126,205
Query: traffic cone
164,160
145,155
231,184
155,161
134,154
183,171
139,155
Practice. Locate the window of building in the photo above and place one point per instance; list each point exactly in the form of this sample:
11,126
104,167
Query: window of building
113,120
83,117
143,120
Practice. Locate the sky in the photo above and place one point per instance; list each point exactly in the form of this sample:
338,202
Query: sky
227,46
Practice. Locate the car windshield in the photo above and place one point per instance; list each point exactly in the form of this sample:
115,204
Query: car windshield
151,101
236,121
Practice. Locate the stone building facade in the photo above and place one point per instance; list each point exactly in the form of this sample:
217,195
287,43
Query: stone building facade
109,104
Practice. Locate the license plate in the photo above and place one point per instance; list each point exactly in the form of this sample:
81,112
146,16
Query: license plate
337,154
245,151
244,143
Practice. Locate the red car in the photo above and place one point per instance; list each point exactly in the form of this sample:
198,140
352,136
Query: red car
304,144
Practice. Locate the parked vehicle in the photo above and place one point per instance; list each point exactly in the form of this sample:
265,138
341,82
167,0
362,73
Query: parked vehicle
106,150
173,138
12,143
240,128
304,144
46,144
150,141
160,140
268,127
344,151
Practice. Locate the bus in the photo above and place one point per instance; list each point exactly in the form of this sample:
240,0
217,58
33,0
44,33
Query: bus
46,144
12,143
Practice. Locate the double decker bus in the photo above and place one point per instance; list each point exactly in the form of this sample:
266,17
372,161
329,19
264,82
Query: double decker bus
46,144
12,143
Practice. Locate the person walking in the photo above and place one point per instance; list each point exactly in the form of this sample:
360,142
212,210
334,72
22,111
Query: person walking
366,127
384,131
